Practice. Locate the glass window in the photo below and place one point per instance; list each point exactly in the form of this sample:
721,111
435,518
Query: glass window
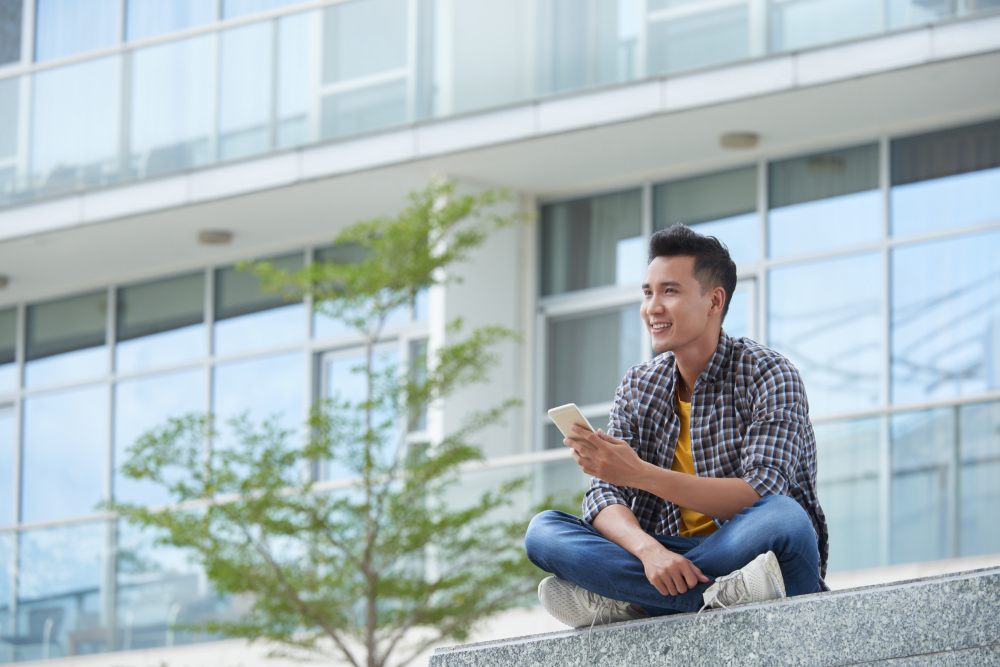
346,381
153,17
589,355
979,479
720,205
738,318
946,318
144,404
173,92
158,587
10,96
75,126
848,485
946,179
418,375
65,27
161,323
245,90
922,447
6,570
593,242
247,319
699,39
825,317
66,340
8,456
59,596
10,31
297,39
363,110
65,453
233,8
8,345
800,24
363,38
824,201
260,389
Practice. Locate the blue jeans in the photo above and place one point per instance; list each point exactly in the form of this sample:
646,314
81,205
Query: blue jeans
574,551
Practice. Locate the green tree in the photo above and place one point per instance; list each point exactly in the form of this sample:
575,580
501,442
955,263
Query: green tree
376,573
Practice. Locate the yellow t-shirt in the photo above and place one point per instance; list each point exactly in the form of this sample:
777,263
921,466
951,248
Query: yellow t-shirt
692,523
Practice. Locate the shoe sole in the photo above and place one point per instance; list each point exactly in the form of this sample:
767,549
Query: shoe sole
772,567
558,599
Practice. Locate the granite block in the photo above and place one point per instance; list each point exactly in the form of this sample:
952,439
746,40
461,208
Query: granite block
867,625
984,656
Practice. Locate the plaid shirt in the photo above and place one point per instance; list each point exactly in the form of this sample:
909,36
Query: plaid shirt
749,419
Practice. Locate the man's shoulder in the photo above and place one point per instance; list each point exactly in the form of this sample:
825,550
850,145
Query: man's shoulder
749,357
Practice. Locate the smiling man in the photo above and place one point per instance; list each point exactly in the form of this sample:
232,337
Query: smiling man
704,489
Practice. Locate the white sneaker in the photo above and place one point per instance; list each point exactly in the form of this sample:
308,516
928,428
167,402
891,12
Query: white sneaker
578,607
758,581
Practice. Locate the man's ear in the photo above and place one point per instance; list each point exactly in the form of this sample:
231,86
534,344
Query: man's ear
718,299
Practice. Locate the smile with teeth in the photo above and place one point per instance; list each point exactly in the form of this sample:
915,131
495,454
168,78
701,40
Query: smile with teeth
659,326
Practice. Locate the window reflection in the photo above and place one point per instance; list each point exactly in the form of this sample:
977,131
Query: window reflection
158,588
160,323
8,457
588,356
65,453
346,381
824,201
66,340
297,39
264,388
363,38
825,317
922,447
848,486
8,350
946,318
75,126
247,319
245,90
65,27
144,404
593,242
10,30
145,18
698,39
59,595
946,179
800,24
172,102
720,205
979,479
417,358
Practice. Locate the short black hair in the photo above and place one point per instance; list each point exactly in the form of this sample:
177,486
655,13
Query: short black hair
713,267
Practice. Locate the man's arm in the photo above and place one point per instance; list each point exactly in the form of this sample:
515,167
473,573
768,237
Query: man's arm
670,573
615,462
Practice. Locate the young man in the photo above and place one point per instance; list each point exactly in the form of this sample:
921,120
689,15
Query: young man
704,489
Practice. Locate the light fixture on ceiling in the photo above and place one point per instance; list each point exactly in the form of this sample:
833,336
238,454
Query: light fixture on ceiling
739,140
4,281
215,237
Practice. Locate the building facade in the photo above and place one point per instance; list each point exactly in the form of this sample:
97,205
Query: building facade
847,152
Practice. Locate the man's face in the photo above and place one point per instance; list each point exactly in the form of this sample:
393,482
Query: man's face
674,308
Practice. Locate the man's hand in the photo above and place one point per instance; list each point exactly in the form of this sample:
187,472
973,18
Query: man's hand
606,458
670,573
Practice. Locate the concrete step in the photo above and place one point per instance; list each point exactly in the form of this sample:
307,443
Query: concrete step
951,620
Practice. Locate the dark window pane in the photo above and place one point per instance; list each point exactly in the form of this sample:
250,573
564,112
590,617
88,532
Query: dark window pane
946,179
10,31
946,318
65,27
922,447
979,479
65,339
588,356
65,453
720,205
146,18
593,242
8,342
825,317
238,292
418,375
824,201
160,323
59,587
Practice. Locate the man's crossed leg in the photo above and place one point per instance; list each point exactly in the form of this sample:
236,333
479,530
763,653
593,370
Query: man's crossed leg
573,551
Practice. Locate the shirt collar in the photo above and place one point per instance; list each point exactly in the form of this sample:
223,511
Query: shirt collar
715,370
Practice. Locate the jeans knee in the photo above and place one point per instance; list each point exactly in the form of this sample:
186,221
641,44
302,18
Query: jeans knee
540,533
788,517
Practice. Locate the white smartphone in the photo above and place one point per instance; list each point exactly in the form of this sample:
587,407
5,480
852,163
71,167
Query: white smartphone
565,416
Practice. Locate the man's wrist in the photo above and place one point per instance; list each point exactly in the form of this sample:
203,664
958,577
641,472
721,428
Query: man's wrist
649,477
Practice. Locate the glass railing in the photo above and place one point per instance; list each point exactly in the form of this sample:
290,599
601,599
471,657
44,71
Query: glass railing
298,78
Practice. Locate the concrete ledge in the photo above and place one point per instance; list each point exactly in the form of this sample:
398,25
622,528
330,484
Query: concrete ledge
949,620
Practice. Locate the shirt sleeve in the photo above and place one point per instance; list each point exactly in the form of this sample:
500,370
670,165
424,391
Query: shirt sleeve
622,425
773,445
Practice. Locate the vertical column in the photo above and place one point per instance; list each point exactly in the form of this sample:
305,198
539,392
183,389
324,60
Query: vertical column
444,38
28,32
272,141
763,179
757,25
209,333
15,555
311,388
647,233
412,54
641,50
885,436
108,592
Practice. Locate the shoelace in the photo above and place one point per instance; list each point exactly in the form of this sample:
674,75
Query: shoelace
729,585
